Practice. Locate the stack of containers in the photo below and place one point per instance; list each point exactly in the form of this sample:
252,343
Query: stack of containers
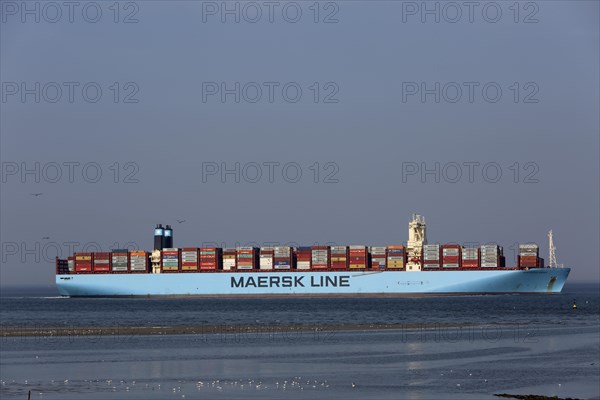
211,258
339,257
320,257
229,259
303,257
540,262
378,257
396,257
359,257
451,257
102,262
266,258
470,257
71,264
490,256
120,260
138,261
170,259
247,258
83,262
431,256
190,259
282,257
528,256
62,267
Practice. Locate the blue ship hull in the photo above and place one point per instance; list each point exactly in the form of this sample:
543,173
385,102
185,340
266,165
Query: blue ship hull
300,283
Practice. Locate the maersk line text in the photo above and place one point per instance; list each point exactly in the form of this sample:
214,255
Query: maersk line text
290,281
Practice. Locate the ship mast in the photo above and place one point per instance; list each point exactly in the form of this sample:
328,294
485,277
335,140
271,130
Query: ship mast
552,252
417,237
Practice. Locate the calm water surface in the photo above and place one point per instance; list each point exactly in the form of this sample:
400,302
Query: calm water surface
519,344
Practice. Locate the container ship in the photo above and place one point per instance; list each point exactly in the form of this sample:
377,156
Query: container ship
416,267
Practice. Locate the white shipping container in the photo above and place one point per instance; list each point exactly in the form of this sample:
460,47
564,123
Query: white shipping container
528,246
303,265
450,252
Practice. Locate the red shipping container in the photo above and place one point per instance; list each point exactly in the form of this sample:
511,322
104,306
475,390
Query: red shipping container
470,264
101,267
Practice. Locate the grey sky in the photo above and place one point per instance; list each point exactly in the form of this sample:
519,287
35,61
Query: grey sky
365,121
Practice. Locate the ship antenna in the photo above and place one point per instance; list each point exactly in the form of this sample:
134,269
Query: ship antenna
552,252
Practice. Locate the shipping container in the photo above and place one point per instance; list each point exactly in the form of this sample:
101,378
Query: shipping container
470,257
431,252
451,256
396,257
247,258
211,258
358,257
71,263
229,259
320,257
62,266
303,257
171,259
120,260
139,261
338,257
102,262
490,256
529,249
378,257
190,259
282,257
84,262
528,262
266,258
431,264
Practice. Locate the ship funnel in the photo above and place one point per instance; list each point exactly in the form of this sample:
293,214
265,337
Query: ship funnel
168,238
158,237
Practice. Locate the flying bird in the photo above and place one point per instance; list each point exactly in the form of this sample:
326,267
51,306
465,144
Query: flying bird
37,194
179,221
